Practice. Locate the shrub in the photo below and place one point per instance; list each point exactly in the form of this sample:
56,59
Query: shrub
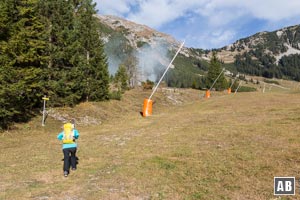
115,95
148,85
246,89
271,81
141,44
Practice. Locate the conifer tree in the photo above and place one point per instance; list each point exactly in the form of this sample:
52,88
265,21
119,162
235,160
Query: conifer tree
63,75
49,48
213,72
94,62
21,59
132,70
121,78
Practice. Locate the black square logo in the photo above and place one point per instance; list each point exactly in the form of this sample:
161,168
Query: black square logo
284,185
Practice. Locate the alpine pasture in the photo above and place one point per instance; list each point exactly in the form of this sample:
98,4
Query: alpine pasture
224,147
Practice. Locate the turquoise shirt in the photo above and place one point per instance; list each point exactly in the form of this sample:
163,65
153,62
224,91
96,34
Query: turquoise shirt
65,146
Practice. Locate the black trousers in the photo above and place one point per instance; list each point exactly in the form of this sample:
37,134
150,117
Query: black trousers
69,152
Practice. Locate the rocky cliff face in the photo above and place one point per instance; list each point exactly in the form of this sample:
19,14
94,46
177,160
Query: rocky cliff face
136,33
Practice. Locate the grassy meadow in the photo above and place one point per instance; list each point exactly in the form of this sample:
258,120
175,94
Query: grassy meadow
225,147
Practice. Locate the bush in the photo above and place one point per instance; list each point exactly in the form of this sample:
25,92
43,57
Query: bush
271,81
140,44
115,95
246,89
148,85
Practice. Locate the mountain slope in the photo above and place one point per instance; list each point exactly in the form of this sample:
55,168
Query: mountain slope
135,33
268,54
279,43
146,53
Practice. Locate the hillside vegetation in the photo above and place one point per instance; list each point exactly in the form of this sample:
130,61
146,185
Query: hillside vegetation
225,147
49,48
273,54
152,51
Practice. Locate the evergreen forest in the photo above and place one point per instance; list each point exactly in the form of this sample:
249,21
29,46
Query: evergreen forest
261,59
255,62
49,48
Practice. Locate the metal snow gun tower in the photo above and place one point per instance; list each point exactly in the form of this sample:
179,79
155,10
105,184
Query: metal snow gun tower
147,108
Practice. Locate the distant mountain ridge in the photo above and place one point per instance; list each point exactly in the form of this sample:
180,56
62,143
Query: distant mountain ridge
273,54
269,54
279,43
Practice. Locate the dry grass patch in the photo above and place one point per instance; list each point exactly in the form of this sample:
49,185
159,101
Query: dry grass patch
225,147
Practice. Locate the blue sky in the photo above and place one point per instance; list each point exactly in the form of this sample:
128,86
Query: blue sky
206,23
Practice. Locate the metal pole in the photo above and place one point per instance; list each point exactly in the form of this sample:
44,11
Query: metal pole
238,87
233,82
44,112
166,70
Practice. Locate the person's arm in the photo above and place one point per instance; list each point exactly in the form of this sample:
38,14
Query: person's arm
60,136
76,134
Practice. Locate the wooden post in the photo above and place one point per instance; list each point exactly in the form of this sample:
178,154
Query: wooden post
44,110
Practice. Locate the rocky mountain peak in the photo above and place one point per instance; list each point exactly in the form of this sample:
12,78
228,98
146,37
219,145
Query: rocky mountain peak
136,33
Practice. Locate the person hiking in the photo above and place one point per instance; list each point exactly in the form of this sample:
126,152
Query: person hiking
68,137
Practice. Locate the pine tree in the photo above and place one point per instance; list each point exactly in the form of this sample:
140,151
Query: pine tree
94,62
131,67
63,73
21,60
49,48
121,78
213,72
5,19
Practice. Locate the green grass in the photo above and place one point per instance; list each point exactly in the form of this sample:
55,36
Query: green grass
225,147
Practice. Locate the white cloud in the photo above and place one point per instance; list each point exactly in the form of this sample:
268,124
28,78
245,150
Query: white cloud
153,13
211,38
221,36
152,16
225,16
273,10
157,12
267,9
114,7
